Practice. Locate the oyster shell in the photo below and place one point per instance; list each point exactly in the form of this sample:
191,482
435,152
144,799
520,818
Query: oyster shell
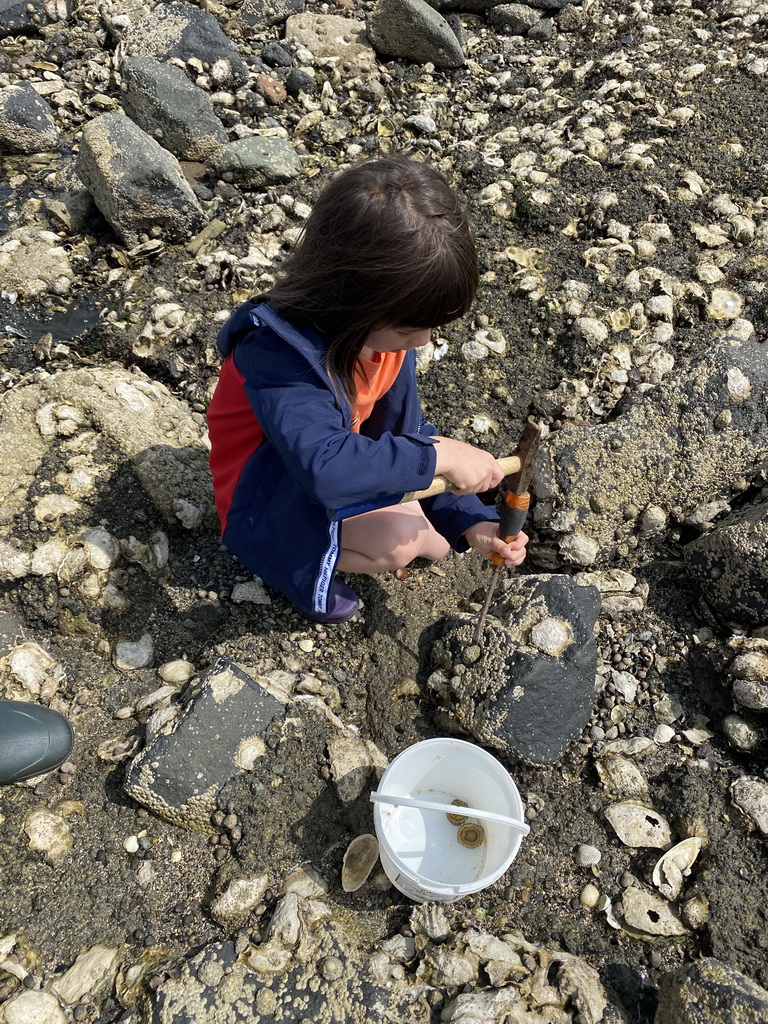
674,865
643,912
637,825
362,853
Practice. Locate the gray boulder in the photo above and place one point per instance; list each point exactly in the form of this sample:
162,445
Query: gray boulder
193,755
730,564
551,5
26,121
712,992
415,31
516,19
18,16
528,687
262,14
257,161
166,105
136,183
677,447
180,30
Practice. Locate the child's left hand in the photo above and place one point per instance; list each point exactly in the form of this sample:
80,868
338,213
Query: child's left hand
484,538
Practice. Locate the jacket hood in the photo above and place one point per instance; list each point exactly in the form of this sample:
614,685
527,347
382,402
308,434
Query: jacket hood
252,314
235,329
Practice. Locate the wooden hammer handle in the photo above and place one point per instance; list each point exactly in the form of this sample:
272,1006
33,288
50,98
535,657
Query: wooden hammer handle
510,464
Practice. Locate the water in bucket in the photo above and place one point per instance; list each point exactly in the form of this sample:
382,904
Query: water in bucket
443,854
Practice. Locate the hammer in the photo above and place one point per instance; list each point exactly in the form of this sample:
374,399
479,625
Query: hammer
514,509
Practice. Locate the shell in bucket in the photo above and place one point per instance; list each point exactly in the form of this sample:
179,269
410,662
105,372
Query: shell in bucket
429,854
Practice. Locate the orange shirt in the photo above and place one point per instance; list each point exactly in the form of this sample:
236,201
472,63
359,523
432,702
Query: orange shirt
373,378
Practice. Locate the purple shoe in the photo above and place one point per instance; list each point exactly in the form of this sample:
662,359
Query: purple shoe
342,605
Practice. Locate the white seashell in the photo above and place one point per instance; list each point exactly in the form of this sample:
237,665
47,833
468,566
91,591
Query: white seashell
593,331
724,305
660,307
117,749
737,385
637,825
647,913
232,906
750,795
14,564
49,834
552,636
618,773
674,865
190,516
709,273
750,665
73,565
751,693
48,557
740,733
38,672
712,237
178,671
131,655
742,228
53,507
102,549
362,853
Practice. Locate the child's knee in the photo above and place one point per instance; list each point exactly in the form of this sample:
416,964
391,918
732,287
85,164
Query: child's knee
416,540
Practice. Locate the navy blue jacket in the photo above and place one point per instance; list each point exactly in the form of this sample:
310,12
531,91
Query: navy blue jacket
310,472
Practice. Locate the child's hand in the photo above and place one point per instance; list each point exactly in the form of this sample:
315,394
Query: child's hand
484,537
469,469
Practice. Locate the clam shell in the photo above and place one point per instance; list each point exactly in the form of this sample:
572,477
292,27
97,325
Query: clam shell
674,865
362,853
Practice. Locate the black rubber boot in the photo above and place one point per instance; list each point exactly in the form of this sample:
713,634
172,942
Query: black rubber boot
33,740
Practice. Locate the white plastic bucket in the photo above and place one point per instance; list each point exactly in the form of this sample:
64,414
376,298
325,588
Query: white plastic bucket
419,846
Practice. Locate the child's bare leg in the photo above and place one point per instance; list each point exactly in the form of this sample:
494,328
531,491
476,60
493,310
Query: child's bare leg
389,538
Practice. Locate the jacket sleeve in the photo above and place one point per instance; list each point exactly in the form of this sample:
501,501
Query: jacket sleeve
302,419
453,514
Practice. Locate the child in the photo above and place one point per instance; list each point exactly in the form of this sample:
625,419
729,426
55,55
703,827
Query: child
315,426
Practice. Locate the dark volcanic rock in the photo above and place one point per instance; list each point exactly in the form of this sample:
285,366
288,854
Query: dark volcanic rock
180,30
710,991
527,687
166,105
261,14
26,121
180,773
730,565
18,16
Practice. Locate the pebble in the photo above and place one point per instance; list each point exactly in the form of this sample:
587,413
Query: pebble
131,844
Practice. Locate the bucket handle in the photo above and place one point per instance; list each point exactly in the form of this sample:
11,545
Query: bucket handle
469,812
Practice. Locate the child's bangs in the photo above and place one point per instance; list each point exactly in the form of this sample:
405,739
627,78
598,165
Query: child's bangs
434,298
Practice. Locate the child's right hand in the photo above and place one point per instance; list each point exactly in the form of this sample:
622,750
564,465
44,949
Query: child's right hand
469,469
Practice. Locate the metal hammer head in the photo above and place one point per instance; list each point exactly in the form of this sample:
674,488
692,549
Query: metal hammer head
526,451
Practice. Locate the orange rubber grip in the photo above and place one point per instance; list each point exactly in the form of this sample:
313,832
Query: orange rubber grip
513,516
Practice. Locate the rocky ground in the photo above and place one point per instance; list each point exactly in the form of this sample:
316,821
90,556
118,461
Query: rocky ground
156,164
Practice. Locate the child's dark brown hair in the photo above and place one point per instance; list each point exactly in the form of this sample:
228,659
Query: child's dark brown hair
387,245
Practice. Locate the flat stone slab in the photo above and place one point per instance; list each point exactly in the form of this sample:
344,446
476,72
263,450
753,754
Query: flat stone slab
219,733
528,686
